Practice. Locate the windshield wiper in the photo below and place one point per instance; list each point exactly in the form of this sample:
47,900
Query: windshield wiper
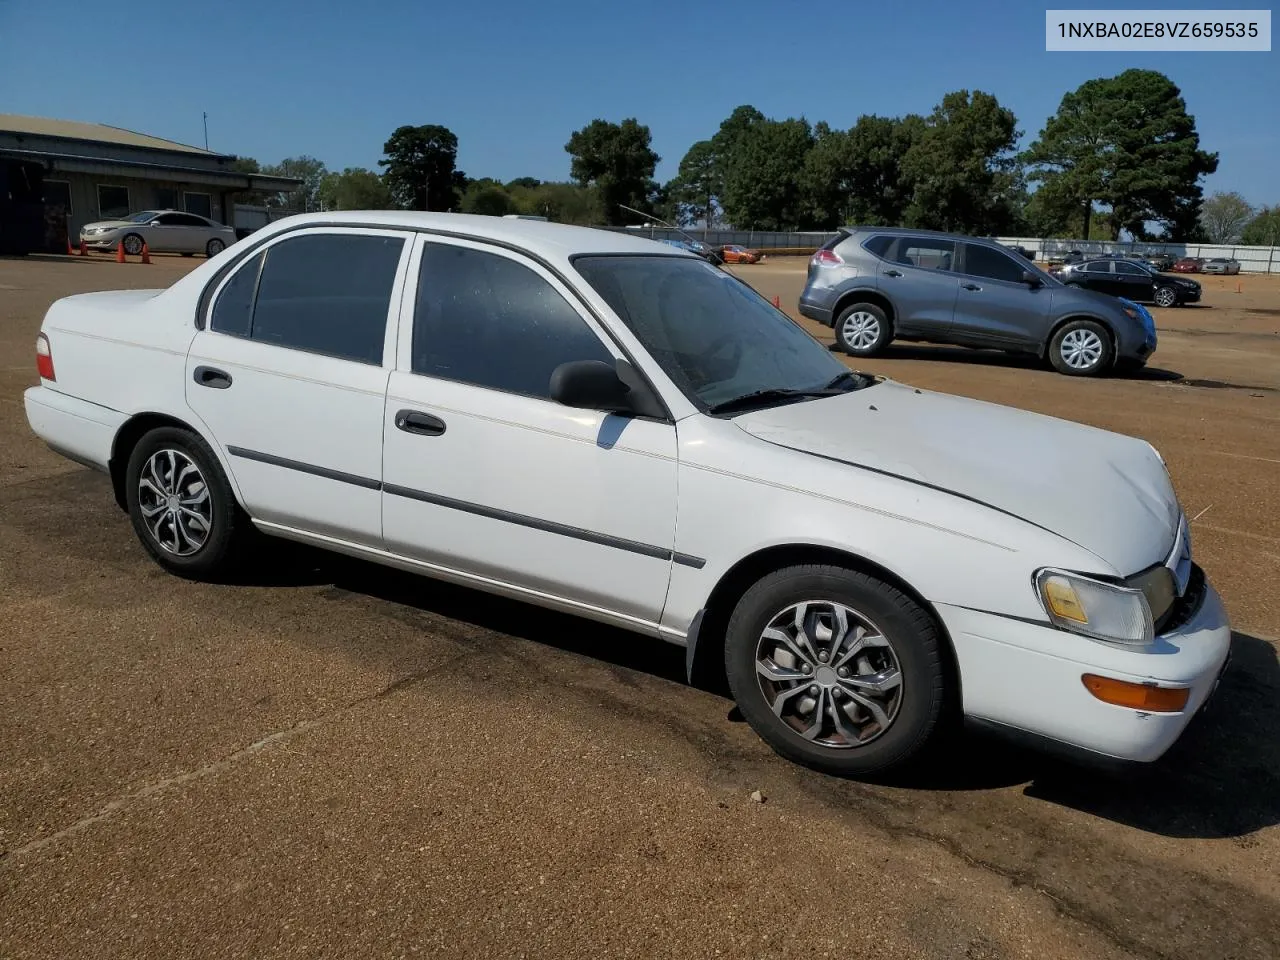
762,398
849,378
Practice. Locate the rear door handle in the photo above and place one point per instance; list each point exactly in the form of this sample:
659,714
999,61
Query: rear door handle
411,421
970,286
212,377
893,273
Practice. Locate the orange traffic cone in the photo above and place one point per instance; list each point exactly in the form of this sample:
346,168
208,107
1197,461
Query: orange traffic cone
777,302
84,249
1239,287
146,253
120,252
70,252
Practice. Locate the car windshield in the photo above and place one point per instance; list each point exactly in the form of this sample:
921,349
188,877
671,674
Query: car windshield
714,336
142,217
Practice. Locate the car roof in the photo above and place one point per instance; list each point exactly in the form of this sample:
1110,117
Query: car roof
536,236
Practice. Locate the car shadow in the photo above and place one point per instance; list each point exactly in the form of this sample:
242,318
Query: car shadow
999,358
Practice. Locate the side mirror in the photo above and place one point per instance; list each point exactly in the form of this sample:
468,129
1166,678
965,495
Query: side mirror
154,223
1030,279
590,384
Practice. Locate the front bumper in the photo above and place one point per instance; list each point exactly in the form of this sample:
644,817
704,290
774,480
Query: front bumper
1028,677
101,241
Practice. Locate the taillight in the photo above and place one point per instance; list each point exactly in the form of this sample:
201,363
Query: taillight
44,358
826,258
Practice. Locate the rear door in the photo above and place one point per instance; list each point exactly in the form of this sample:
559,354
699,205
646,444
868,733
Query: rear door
995,305
289,376
918,278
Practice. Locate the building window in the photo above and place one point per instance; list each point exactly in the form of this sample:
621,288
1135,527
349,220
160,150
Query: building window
113,202
57,193
166,198
198,203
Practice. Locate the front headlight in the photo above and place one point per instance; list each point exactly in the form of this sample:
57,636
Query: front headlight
1095,609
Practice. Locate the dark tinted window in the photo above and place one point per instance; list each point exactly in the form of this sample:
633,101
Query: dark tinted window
190,220
980,261
328,293
879,245
171,219
926,252
485,319
1097,266
1131,269
233,310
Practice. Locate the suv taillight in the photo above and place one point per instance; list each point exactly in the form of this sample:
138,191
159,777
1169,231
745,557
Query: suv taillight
44,358
825,258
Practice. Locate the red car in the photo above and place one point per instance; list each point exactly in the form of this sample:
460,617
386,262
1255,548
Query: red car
1188,265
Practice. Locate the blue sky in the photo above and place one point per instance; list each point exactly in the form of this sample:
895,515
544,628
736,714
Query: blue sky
514,79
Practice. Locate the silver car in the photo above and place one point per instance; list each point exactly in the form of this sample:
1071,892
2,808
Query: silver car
1221,265
163,231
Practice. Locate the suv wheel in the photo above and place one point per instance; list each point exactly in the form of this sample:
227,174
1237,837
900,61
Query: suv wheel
1081,348
835,669
1166,297
863,330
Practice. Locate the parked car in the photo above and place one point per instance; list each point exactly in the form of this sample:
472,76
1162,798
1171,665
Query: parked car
525,408
163,231
1188,265
736,253
873,285
1162,262
1221,265
706,252
1071,256
1132,279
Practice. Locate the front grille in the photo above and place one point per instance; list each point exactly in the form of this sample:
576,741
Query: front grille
1187,605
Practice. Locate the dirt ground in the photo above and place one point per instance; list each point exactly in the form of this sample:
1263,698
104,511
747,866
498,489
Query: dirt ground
334,759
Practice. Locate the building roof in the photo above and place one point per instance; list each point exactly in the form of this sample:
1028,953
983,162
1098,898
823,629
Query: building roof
97,132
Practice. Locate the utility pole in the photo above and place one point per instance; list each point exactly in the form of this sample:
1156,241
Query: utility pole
205,116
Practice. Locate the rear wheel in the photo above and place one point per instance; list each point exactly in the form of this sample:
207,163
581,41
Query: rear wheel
214,247
863,330
181,505
1081,348
835,669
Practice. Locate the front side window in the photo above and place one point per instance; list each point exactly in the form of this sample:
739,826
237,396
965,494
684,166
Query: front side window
170,219
715,337
926,252
485,319
113,202
321,293
980,261
1097,266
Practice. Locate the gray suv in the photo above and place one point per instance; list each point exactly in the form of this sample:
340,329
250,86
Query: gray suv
877,284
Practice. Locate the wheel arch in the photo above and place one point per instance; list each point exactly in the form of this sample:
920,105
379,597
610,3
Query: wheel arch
1063,321
138,426
704,656
864,295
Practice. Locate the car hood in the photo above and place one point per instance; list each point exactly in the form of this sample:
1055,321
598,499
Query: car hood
1104,491
112,223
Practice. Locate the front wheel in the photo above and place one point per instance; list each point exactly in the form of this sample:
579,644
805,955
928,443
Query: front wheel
1166,297
1081,348
835,669
181,505
863,330
214,247
132,244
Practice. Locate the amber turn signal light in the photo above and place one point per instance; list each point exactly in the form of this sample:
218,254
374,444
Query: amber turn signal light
1138,696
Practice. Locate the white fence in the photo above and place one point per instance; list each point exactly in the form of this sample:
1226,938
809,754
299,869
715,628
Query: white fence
1252,259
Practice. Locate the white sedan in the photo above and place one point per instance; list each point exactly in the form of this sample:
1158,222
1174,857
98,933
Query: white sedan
163,231
608,426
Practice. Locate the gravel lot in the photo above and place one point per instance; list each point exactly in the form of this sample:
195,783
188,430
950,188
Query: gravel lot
334,759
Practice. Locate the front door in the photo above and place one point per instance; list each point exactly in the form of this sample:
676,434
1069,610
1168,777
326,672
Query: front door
996,306
918,279
1133,282
486,475
288,376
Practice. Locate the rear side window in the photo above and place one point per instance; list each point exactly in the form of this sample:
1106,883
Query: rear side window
929,252
484,319
980,261
879,244
321,293
1130,269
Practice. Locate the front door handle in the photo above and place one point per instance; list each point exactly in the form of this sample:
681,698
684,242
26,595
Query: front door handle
411,421
212,377
970,286
893,273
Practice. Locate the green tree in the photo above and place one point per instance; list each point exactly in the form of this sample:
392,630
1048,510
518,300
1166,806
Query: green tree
617,160
421,167
856,176
762,166
962,167
697,183
1128,143
355,188
307,169
527,182
1224,215
487,197
561,202
1264,229
252,197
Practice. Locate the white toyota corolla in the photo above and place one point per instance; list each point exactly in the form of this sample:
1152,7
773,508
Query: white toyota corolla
608,426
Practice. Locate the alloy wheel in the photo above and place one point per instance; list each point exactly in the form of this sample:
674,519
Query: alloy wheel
133,245
1081,349
1165,297
173,498
861,329
829,673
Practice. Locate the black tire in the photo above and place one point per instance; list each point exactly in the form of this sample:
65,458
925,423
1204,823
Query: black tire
913,640
132,244
863,329
228,526
1096,347
1165,296
214,247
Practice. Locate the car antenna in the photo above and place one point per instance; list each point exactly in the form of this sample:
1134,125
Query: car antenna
670,226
